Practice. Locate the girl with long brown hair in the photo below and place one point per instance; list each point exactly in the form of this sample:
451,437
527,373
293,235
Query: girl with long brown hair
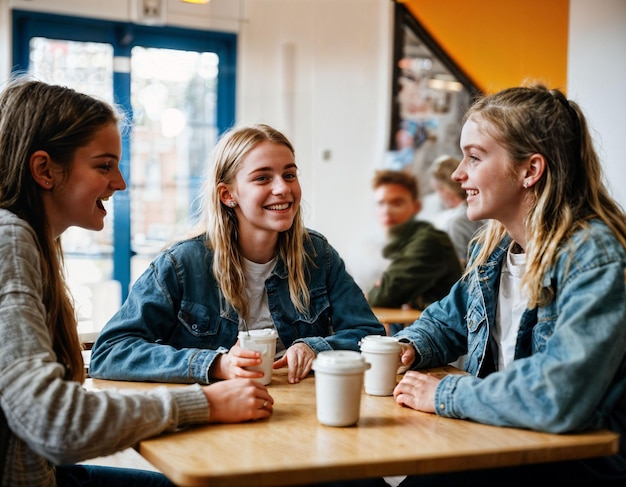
60,154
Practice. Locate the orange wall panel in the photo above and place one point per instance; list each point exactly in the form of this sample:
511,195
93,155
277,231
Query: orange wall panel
500,43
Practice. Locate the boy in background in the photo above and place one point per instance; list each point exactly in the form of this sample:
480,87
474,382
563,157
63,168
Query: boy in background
423,263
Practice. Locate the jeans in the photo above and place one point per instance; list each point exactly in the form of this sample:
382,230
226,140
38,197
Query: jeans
101,476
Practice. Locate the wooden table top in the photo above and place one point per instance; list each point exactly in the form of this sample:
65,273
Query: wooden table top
396,315
293,448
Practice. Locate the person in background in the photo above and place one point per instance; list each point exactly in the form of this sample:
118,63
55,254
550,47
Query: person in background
59,158
540,309
423,264
453,219
254,265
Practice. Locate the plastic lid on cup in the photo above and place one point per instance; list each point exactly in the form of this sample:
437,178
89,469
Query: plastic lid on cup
379,343
340,362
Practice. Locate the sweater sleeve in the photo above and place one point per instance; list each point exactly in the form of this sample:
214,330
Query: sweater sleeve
57,418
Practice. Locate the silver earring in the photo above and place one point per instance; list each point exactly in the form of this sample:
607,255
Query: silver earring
47,183
525,185
232,204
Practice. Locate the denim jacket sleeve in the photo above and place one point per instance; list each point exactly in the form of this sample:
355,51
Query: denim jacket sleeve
167,329
439,336
339,311
572,374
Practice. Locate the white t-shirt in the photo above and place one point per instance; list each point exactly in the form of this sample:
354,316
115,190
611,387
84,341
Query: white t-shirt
260,317
510,307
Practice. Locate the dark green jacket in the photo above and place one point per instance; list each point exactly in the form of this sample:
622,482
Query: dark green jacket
423,267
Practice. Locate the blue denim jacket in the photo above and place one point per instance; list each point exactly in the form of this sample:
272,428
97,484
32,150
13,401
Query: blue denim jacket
569,372
175,320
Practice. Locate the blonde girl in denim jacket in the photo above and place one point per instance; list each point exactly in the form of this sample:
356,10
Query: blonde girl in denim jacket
541,309
252,264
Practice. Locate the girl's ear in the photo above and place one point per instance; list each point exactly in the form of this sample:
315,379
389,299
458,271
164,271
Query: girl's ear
41,169
534,170
225,196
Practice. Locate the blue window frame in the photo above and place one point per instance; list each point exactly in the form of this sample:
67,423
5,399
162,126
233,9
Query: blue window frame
124,37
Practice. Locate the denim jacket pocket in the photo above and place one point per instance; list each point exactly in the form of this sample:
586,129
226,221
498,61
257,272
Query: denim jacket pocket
475,318
542,332
195,318
318,320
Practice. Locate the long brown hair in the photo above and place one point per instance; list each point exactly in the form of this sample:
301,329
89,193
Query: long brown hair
531,120
38,116
221,224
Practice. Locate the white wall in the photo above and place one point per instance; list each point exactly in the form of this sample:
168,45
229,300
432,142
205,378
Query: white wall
596,77
320,70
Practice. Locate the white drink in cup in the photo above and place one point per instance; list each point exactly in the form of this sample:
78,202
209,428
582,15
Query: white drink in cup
264,341
338,386
383,354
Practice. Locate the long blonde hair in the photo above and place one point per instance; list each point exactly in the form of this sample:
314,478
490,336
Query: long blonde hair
221,222
531,120
37,116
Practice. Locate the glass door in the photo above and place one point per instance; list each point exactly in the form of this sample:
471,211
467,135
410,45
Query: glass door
173,96
176,86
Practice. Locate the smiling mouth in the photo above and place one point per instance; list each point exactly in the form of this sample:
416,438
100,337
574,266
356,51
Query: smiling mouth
282,206
100,202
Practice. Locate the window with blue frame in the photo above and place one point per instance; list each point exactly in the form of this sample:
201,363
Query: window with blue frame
176,87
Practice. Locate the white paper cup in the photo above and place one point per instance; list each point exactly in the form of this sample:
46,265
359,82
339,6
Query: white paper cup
383,354
264,341
338,386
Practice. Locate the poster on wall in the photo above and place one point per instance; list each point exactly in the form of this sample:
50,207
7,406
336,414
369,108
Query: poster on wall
430,96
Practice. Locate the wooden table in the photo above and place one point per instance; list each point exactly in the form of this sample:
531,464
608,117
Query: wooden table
293,448
395,315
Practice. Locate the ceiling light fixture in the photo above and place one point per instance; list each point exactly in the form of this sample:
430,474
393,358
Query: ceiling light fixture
196,1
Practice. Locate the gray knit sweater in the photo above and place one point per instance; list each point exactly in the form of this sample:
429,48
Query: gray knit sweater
52,420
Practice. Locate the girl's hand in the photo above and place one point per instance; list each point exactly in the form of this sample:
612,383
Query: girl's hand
299,358
236,400
407,354
232,365
417,391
